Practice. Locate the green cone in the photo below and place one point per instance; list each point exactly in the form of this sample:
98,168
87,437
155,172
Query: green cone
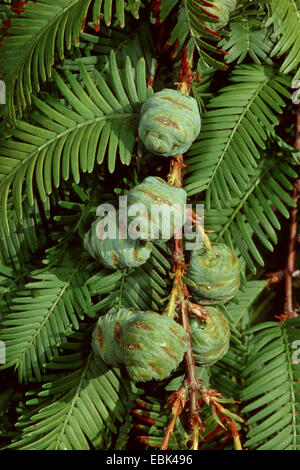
215,274
116,253
164,204
150,345
170,122
210,339
222,9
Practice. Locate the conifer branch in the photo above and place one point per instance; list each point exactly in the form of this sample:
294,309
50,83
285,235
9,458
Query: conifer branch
178,266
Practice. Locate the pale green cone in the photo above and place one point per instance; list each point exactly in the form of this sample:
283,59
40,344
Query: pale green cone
150,345
153,346
170,122
116,253
222,9
210,339
164,204
215,274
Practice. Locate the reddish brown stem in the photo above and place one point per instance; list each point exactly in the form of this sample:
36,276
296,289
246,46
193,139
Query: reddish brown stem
289,311
297,130
175,177
196,220
289,271
191,373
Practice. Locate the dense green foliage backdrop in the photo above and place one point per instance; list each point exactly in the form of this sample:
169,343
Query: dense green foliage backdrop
76,74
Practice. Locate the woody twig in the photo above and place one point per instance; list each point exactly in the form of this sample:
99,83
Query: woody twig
289,272
289,311
180,295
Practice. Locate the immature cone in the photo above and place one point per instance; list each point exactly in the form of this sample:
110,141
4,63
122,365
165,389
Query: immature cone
108,333
150,345
210,339
215,274
170,122
115,253
164,204
222,9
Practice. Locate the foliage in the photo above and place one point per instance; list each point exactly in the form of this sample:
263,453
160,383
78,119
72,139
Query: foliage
77,73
